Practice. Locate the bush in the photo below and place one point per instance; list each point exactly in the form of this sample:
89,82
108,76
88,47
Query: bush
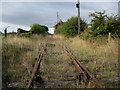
39,29
70,28
113,26
101,24
25,34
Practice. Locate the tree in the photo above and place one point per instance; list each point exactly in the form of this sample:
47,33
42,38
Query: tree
70,28
39,29
113,25
101,24
98,23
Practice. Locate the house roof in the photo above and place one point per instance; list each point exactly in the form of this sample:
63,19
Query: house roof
59,23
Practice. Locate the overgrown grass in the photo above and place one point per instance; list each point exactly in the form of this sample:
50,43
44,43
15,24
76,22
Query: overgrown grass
18,56
100,58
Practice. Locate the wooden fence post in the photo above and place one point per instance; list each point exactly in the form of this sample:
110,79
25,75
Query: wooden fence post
109,37
5,32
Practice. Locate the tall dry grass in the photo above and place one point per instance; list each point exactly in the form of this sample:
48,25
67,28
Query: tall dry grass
19,53
18,56
100,58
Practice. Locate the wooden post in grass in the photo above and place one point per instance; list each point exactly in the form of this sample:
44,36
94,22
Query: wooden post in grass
5,32
109,37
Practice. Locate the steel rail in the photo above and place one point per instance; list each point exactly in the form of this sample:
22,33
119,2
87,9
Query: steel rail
82,70
35,69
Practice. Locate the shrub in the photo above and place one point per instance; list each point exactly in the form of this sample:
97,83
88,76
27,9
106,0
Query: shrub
70,28
39,29
25,34
102,24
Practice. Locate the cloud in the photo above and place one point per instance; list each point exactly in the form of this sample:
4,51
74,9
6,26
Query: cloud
86,7
59,0
24,14
13,27
98,6
29,13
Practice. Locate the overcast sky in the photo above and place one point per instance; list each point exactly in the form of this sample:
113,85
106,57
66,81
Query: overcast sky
24,14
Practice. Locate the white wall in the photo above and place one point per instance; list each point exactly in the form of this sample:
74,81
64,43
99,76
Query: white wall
51,30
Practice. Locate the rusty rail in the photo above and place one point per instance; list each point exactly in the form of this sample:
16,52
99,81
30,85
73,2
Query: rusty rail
82,70
36,68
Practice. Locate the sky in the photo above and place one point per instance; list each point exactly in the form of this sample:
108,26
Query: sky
24,14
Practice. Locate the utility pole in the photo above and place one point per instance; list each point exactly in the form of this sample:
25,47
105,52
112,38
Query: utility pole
5,31
57,17
78,6
119,9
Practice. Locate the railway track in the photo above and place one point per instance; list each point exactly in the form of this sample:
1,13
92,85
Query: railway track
83,73
36,67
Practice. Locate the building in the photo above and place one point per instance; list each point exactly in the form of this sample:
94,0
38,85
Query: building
51,30
59,24
19,30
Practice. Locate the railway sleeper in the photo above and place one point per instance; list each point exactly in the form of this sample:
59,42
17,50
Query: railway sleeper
81,68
